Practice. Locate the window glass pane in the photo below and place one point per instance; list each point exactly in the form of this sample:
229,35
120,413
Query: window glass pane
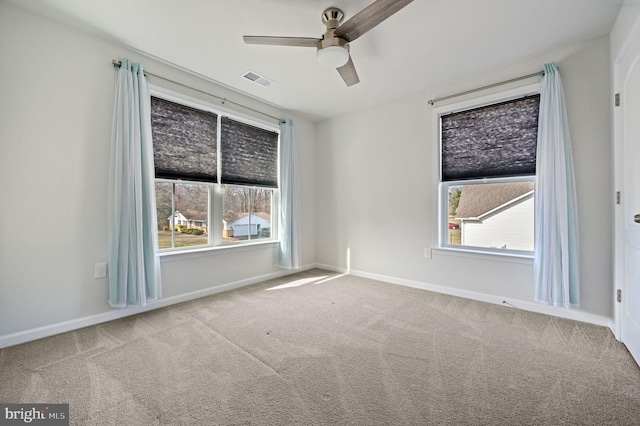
246,213
491,215
261,200
183,214
164,191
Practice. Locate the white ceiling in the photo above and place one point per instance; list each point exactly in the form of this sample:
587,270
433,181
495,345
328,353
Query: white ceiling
426,43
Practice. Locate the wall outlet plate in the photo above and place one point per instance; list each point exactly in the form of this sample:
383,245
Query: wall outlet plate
100,270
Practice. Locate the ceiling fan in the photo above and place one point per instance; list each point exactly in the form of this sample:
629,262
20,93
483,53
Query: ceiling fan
333,47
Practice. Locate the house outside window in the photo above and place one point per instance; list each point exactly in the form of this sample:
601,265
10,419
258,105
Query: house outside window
487,173
212,173
247,213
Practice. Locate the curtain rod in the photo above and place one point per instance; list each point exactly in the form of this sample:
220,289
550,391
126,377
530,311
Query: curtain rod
117,63
535,74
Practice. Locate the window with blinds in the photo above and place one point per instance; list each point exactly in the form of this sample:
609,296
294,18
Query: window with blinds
189,162
184,141
487,176
492,141
249,155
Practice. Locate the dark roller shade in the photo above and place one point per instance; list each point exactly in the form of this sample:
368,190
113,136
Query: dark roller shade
184,141
493,141
249,155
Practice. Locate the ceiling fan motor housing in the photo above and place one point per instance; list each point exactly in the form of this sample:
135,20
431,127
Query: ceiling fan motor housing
332,17
333,51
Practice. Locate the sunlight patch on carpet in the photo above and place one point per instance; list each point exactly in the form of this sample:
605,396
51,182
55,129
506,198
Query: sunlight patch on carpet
298,283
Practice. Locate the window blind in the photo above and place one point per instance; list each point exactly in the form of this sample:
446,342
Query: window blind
498,140
184,142
249,154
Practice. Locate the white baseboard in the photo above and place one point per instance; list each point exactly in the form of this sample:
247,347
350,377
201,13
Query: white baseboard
573,314
75,324
63,327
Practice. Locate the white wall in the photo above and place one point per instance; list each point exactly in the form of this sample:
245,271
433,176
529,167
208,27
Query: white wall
55,122
377,193
627,18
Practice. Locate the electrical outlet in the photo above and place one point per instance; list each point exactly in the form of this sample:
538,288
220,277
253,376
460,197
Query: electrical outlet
427,253
100,270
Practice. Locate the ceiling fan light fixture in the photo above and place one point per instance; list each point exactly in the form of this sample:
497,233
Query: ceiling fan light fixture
333,56
333,46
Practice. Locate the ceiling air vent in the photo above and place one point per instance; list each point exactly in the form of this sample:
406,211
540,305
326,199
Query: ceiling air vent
257,79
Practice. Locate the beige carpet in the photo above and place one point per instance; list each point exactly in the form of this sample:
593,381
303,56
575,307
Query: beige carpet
318,348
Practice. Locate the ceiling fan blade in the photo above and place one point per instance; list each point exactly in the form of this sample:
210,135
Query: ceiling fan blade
368,18
348,73
282,41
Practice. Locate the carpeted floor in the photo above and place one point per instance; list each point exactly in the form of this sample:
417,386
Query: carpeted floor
320,348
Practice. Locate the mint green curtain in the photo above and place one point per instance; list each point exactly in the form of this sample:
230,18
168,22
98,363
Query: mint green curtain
134,266
556,214
289,253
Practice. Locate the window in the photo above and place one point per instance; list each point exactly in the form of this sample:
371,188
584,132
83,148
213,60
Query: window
487,176
216,177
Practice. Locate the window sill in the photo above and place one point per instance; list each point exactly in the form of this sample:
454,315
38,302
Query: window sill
178,254
522,258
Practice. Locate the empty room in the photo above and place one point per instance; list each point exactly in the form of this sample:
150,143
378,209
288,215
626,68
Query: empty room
357,212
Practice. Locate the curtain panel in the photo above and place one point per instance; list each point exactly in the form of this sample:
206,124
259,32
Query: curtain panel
289,254
556,214
134,266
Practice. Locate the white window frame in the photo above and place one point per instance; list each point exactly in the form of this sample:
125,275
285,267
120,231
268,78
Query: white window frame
442,192
215,214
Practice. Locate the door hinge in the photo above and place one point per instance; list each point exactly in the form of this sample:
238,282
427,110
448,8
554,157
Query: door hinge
619,296
617,99
618,197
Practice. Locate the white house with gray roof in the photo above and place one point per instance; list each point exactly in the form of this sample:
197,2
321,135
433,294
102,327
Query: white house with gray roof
189,218
499,215
252,224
